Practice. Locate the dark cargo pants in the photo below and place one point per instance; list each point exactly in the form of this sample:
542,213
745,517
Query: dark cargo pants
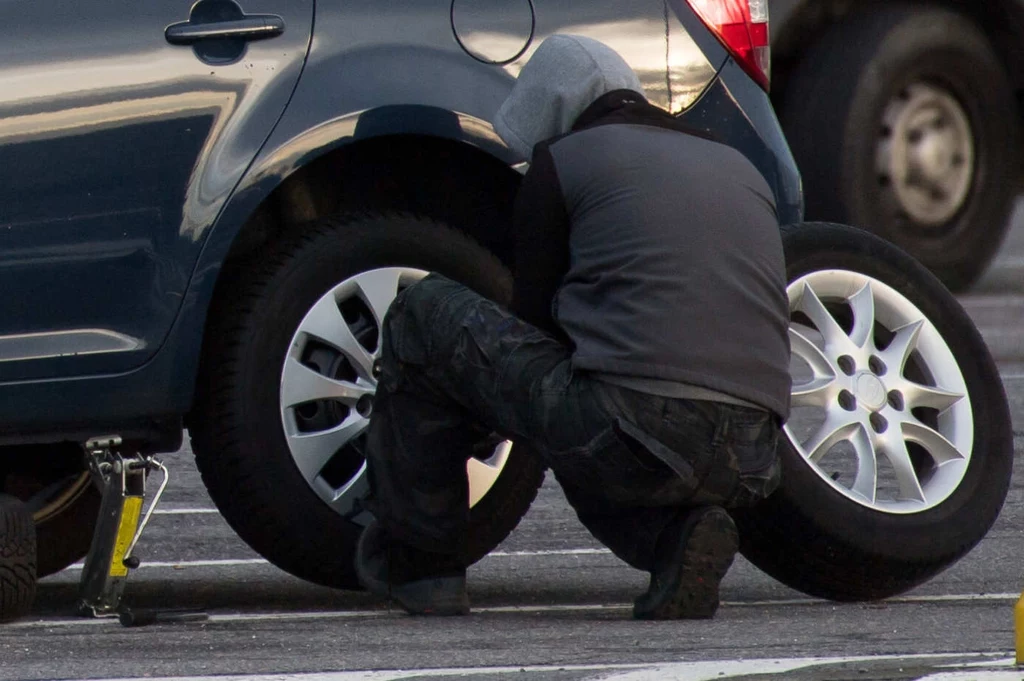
457,367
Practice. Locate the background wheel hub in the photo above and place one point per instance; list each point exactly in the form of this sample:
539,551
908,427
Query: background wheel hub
926,154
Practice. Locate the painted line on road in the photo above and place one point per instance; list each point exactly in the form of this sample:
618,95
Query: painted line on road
298,616
185,564
320,615
936,598
932,598
185,511
230,562
552,552
692,671
999,300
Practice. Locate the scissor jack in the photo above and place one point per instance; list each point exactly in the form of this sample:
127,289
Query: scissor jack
121,475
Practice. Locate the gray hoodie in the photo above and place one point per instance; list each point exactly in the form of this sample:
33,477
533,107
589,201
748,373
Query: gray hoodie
564,76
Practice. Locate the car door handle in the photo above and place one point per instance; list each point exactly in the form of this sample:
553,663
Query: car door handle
250,27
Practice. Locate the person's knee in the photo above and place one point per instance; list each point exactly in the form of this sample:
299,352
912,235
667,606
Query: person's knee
415,318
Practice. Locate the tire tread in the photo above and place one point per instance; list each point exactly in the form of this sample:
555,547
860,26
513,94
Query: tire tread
17,559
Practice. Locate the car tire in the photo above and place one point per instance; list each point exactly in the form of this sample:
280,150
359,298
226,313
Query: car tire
903,121
832,530
52,481
248,436
17,559
64,536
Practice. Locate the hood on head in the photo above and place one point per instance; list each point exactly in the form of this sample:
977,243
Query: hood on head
564,76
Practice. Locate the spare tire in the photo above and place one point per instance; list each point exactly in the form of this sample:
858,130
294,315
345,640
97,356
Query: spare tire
900,447
286,386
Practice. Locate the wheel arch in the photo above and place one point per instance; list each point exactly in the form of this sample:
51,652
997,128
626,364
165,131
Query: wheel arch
421,161
433,162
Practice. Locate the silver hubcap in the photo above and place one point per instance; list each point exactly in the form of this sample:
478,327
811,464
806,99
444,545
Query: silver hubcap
327,387
880,407
926,154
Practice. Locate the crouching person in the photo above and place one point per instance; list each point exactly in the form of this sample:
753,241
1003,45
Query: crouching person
645,358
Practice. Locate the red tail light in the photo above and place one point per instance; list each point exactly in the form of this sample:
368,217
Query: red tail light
742,26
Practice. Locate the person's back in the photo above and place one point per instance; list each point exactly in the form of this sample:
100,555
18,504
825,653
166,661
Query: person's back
676,270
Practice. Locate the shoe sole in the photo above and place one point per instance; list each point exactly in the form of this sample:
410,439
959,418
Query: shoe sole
711,546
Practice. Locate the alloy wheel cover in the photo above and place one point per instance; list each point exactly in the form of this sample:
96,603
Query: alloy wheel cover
327,386
881,410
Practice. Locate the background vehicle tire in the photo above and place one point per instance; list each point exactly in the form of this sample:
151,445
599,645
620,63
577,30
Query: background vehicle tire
263,436
903,121
52,481
17,559
891,377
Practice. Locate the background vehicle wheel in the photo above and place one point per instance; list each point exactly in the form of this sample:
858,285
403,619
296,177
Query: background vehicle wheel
52,481
286,387
17,559
900,446
902,121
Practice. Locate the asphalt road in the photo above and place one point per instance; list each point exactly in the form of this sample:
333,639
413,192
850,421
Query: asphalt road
550,603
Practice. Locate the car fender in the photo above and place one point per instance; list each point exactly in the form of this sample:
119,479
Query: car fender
335,105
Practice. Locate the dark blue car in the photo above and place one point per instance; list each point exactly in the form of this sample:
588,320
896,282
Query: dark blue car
206,209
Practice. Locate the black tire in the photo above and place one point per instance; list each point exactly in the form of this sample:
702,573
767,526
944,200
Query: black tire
834,108
814,538
236,427
64,535
17,559
66,517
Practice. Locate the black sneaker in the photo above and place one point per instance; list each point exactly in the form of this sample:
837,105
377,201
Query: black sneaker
684,582
420,582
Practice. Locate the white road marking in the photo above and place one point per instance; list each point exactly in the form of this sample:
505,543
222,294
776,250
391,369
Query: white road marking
184,564
937,598
691,671
927,598
723,669
553,552
185,511
991,299
975,676
320,615
307,615
229,562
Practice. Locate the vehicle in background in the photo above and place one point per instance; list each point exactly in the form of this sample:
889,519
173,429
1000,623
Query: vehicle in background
904,119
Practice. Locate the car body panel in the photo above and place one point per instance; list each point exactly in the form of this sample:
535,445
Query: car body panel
115,147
